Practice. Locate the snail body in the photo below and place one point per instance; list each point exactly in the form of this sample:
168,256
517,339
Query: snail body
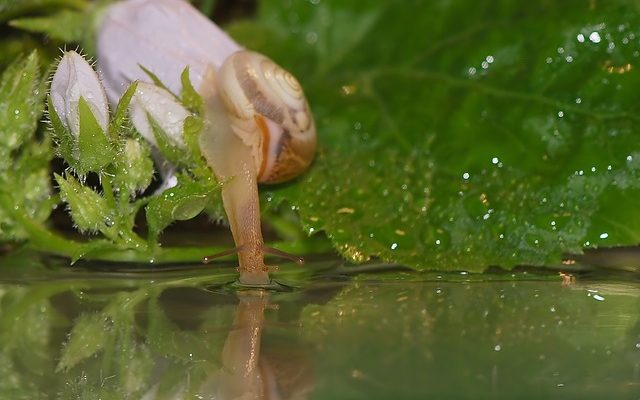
259,128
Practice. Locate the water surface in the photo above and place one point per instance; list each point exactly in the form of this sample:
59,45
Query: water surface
188,332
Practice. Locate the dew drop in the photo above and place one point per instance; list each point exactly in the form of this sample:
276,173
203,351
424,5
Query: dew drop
312,37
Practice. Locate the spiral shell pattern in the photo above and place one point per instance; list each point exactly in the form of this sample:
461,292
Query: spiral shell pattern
270,113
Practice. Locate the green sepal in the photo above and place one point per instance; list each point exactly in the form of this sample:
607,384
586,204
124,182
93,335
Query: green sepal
94,148
64,139
89,210
191,130
156,81
168,148
120,114
133,167
182,202
190,97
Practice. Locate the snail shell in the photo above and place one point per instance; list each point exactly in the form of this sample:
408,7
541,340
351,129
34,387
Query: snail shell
269,112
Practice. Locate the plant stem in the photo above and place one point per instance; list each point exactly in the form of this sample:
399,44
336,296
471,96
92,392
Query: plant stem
40,237
107,189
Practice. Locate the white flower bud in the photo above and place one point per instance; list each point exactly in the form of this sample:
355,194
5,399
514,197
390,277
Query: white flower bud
74,78
157,103
164,36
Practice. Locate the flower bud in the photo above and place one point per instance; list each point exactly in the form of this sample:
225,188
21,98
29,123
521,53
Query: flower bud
74,79
164,36
166,112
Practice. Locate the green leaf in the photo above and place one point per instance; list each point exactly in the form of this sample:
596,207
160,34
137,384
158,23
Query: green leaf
89,210
459,135
182,202
134,167
21,95
93,248
94,149
67,26
24,162
12,8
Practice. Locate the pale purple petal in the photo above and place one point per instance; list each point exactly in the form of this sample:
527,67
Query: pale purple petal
153,101
164,36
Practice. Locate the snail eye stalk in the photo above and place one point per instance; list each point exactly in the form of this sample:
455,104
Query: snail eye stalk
224,253
269,250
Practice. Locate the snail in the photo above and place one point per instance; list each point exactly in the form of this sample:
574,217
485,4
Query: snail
259,127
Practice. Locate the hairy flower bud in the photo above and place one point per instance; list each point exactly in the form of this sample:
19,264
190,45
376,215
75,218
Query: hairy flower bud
74,79
154,102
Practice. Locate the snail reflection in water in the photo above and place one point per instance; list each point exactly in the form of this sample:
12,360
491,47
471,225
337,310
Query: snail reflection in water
248,367
259,126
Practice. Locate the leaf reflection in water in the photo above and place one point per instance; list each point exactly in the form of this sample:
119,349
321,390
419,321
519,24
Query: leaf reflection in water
378,335
172,335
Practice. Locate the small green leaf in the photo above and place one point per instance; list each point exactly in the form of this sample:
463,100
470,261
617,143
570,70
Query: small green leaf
95,246
121,109
88,337
134,167
89,210
182,202
167,147
94,149
190,97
